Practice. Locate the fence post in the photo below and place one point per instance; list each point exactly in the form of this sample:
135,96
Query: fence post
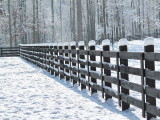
123,48
66,62
51,59
92,44
106,47
81,47
149,47
1,52
56,60
61,61
73,56
48,58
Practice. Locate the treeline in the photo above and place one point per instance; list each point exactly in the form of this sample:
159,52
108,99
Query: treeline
41,21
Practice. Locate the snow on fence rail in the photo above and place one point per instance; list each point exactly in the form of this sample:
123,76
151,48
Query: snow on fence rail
9,51
78,65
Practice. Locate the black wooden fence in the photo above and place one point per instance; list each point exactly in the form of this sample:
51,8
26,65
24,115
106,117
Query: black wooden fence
9,51
92,69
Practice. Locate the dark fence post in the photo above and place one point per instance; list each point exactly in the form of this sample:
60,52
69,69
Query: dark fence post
81,47
48,58
123,48
92,44
73,64
56,69
51,59
66,62
142,83
106,47
61,61
45,57
150,65
1,52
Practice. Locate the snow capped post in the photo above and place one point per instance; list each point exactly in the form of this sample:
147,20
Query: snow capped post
106,47
73,64
81,57
92,46
150,65
67,61
123,48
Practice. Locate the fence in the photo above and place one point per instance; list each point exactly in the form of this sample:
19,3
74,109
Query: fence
92,69
9,51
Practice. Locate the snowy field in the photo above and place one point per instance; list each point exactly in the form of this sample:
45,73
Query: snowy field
29,93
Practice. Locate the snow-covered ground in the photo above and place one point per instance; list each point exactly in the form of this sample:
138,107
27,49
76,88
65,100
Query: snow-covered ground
29,93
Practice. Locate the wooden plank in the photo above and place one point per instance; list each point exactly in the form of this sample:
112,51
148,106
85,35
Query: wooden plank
83,71
111,79
74,60
130,55
152,92
60,51
131,86
111,92
152,74
131,100
67,59
130,70
83,62
95,64
109,54
152,56
74,77
95,75
95,86
10,50
9,47
61,72
66,51
84,81
67,66
109,66
73,51
152,109
82,52
74,69
95,52
61,57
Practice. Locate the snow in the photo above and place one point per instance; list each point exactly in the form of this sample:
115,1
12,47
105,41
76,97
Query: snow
66,44
39,44
92,43
123,42
81,43
73,43
59,44
149,41
105,42
27,92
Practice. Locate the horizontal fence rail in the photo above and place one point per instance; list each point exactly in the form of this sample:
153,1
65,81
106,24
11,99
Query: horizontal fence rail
92,69
9,51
